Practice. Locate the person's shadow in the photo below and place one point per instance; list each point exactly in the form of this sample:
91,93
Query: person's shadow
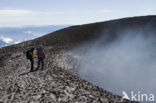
25,73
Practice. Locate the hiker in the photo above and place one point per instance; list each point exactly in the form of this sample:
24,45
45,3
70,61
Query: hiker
30,56
40,56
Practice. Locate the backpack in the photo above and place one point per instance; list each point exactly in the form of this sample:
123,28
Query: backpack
28,54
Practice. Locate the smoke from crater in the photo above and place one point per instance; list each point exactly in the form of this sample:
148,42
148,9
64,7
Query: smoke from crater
128,63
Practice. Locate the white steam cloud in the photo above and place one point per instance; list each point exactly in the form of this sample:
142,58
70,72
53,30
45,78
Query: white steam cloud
127,64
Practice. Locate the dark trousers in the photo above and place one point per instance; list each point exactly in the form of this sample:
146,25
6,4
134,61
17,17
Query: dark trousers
32,65
40,60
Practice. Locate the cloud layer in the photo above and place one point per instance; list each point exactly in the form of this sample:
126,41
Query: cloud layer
26,17
6,39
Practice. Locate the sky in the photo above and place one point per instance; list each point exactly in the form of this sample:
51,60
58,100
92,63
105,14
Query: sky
67,12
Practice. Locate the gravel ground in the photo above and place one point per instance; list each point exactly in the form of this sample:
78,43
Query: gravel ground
56,83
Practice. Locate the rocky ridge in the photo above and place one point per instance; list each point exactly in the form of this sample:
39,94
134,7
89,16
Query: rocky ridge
56,83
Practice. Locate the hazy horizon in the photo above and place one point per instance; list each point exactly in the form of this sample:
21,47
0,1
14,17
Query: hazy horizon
54,12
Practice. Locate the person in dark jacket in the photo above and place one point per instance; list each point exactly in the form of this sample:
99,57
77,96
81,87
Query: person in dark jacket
31,56
40,56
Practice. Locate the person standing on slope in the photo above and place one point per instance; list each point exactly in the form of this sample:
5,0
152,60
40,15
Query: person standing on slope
30,56
41,56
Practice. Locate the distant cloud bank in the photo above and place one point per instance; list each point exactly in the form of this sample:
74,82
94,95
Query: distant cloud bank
6,39
28,17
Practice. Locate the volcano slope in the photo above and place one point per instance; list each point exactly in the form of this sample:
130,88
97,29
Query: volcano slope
59,81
